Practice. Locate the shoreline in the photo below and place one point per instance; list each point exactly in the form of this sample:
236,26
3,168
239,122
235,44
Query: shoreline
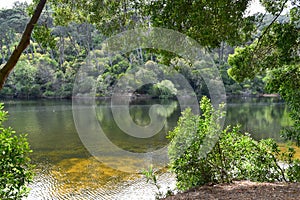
133,97
242,190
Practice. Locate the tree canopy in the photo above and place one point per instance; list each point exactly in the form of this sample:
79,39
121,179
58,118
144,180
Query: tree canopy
276,52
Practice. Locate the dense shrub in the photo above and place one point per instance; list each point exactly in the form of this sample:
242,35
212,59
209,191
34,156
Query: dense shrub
15,167
234,156
164,89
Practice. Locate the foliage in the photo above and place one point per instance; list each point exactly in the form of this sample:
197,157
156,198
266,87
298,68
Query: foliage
286,81
275,53
235,156
293,172
15,167
68,32
152,178
12,21
165,89
24,84
43,36
208,22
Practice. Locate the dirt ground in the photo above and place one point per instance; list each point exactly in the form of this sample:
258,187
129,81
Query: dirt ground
243,190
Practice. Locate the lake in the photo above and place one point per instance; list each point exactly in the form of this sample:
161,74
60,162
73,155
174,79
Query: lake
65,168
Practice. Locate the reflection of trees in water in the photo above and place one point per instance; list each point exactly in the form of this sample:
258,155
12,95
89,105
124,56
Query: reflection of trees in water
49,124
262,119
139,112
140,116
168,109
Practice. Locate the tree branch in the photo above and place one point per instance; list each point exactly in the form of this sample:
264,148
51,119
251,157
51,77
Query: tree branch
269,26
23,44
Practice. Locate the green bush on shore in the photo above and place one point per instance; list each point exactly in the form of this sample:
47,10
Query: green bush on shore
15,168
234,155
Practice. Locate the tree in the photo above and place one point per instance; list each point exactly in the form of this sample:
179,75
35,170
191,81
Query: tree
211,23
208,22
24,76
12,22
24,42
165,89
15,167
275,52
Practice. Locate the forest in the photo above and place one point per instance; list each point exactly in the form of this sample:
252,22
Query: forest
45,44
48,67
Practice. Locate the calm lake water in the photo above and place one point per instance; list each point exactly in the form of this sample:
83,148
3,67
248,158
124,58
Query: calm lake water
66,170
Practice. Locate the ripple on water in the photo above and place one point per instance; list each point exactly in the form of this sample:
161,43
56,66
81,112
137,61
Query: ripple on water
86,178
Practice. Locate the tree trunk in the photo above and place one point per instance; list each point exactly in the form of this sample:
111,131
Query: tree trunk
61,50
73,43
24,42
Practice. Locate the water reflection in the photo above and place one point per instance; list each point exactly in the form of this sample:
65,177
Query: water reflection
66,170
139,112
261,117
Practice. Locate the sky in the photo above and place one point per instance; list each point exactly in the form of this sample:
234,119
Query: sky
255,7
10,3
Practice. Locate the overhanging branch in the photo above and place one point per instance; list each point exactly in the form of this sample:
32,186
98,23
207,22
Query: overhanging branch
24,42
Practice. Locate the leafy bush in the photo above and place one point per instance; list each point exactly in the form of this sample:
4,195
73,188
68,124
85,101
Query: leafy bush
15,167
293,172
164,89
234,156
286,82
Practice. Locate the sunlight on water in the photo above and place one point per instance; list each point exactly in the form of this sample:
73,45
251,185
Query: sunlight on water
87,178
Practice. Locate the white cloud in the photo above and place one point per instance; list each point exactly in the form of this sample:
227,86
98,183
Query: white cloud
10,3
255,7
